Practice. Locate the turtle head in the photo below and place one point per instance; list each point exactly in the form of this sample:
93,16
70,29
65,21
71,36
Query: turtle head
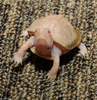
43,38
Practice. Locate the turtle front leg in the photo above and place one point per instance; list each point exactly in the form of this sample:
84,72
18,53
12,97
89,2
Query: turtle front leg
83,49
56,53
21,52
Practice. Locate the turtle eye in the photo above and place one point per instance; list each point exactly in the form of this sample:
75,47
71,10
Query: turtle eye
49,31
36,32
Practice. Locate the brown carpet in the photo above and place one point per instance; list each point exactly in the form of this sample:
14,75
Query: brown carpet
77,76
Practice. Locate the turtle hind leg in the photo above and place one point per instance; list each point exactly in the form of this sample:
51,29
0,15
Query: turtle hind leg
25,33
83,49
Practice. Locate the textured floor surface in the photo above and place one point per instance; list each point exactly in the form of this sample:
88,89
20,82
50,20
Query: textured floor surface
77,76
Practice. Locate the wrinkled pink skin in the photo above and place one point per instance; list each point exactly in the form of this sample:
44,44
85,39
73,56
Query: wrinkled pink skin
45,46
43,41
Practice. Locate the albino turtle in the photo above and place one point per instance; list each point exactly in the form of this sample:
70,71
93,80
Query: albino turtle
51,37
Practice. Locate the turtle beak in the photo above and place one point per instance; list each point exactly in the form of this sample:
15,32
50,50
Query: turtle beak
39,35
42,42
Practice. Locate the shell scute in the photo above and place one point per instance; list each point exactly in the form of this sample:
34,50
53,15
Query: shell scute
62,31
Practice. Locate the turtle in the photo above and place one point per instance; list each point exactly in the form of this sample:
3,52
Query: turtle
50,37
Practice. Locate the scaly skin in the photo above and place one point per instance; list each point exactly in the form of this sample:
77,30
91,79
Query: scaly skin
21,52
42,41
83,49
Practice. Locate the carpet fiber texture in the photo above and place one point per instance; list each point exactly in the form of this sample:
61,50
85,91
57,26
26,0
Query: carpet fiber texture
77,76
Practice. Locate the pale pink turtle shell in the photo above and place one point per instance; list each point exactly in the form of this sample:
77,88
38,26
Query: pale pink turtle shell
62,32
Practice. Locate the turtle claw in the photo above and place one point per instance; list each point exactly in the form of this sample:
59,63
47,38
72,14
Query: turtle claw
17,59
51,76
83,49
